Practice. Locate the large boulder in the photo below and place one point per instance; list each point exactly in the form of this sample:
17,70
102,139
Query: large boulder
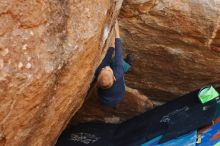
172,41
49,50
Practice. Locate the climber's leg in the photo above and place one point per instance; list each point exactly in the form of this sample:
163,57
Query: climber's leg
126,66
130,59
127,63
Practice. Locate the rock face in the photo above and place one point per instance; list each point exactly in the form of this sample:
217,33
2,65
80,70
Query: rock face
133,104
50,49
48,53
172,41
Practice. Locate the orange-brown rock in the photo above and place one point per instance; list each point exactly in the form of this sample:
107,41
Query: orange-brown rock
172,41
93,110
49,50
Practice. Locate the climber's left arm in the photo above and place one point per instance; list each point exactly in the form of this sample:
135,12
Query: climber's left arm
118,69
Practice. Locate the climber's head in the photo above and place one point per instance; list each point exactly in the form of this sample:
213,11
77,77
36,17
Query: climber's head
106,78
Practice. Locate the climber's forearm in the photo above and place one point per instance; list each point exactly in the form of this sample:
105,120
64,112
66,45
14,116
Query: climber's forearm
117,35
112,45
117,32
118,51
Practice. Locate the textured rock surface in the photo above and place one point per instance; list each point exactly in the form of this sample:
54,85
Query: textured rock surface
50,49
172,40
48,53
133,104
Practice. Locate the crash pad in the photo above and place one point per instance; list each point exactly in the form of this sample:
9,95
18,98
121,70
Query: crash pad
185,140
211,134
153,142
185,113
217,144
218,108
211,143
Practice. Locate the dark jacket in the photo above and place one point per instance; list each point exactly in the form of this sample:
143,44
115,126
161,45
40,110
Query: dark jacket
112,96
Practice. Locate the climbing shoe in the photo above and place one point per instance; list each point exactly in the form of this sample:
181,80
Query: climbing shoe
130,59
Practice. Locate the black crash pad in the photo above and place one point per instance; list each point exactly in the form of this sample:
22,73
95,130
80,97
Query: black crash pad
171,120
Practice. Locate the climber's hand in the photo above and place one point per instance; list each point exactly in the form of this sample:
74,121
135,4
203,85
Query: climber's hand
117,34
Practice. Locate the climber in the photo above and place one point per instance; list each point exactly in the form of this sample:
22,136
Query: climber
110,73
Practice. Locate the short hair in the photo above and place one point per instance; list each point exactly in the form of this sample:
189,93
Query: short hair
101,84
